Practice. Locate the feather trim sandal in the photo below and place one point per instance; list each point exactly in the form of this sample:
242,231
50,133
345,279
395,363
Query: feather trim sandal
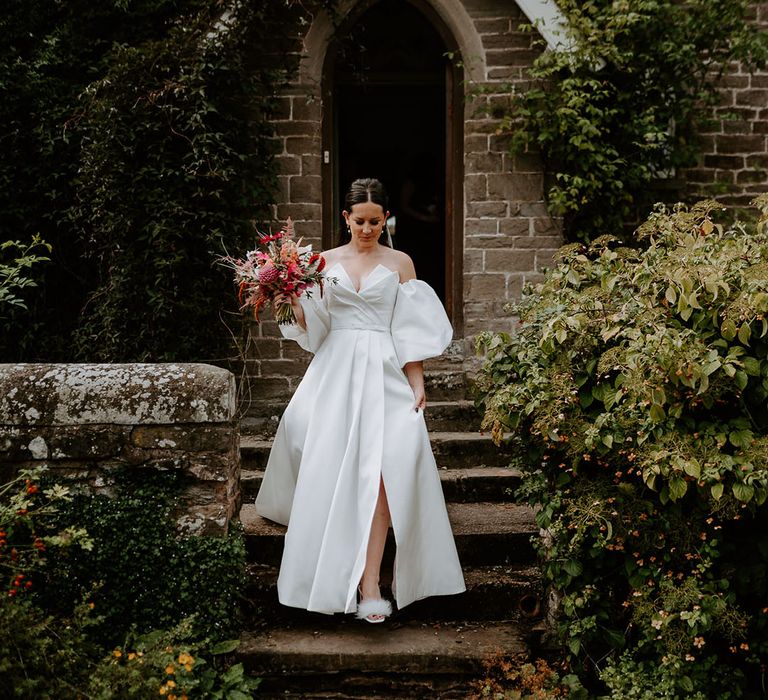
367,607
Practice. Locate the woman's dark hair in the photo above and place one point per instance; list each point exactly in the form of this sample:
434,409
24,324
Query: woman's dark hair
366,189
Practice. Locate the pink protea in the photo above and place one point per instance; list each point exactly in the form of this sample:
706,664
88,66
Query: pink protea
268,274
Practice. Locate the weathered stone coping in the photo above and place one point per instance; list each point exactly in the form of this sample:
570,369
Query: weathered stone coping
117,394
86,421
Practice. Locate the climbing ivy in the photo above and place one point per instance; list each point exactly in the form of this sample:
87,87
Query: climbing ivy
625,104
138,143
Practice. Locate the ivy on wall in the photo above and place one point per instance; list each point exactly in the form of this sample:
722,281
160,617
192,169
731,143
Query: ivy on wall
624,106
138,145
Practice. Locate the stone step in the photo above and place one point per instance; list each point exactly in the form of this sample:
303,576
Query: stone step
485,533
453,450
507,592
441,416
470,484
352,658
446,385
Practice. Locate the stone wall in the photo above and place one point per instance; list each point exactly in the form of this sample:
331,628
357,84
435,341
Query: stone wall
508,235
84,421
733,165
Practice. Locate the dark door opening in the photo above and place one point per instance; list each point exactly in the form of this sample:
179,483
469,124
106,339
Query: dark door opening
389,94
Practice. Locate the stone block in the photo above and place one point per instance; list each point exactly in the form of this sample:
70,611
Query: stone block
189,438
300,212
510,57
536,241
483,163
516,40
752,98
724,162
515,260
476,144
488,242
310,165
306,188
545,258
475,227
492,25
284,367
476,188
272,388
751,176
548,226
515,226
727,143
484,209
516,186
506,73
485,286
288,165
473,261
119,393
302,145
307,108
282,108
295,128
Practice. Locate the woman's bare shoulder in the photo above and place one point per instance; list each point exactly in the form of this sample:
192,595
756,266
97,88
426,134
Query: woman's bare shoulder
402,262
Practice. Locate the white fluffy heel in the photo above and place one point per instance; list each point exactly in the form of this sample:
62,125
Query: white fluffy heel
373,606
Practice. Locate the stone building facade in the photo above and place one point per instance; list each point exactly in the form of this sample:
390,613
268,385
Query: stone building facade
498,234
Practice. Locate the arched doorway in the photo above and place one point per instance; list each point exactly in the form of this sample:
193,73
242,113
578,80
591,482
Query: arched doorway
389,98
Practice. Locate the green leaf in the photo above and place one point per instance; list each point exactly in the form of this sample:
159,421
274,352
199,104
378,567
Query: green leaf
717,491
225,647
752,366
677,488
744,333
657,413
573,567
692,468
728,329
670,294
743,492
741,379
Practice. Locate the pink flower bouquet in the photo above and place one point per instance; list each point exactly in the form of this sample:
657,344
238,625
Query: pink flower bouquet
277,269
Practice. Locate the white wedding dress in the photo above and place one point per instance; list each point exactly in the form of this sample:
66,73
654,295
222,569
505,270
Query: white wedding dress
349,421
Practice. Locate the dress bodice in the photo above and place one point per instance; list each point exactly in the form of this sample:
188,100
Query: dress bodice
370,307
408,312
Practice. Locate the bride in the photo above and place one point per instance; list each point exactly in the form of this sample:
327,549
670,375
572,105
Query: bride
351,455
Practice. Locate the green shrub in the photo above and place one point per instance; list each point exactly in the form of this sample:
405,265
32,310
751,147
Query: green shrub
168,663
634,392
148,574
626,102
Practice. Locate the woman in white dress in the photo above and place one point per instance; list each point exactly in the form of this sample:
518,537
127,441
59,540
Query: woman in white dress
351,455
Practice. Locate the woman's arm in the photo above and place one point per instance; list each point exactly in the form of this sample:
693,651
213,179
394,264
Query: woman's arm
415,373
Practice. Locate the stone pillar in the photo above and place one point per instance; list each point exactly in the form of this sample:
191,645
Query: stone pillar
85,421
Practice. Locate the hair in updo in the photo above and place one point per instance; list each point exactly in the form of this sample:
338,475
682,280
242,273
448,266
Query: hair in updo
366,189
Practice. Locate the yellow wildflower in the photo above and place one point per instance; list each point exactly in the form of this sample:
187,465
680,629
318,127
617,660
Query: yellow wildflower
131,656
117,653
169,669
171,684
163,690
91,606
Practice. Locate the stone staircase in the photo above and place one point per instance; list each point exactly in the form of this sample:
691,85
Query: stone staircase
433,647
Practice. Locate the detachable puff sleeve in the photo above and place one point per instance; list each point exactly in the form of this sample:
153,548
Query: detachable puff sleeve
420,327
318,320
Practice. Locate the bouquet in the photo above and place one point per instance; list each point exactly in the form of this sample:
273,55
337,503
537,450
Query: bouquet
277,269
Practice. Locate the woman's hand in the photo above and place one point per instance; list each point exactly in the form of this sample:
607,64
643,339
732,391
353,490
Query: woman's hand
298,312
415,373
